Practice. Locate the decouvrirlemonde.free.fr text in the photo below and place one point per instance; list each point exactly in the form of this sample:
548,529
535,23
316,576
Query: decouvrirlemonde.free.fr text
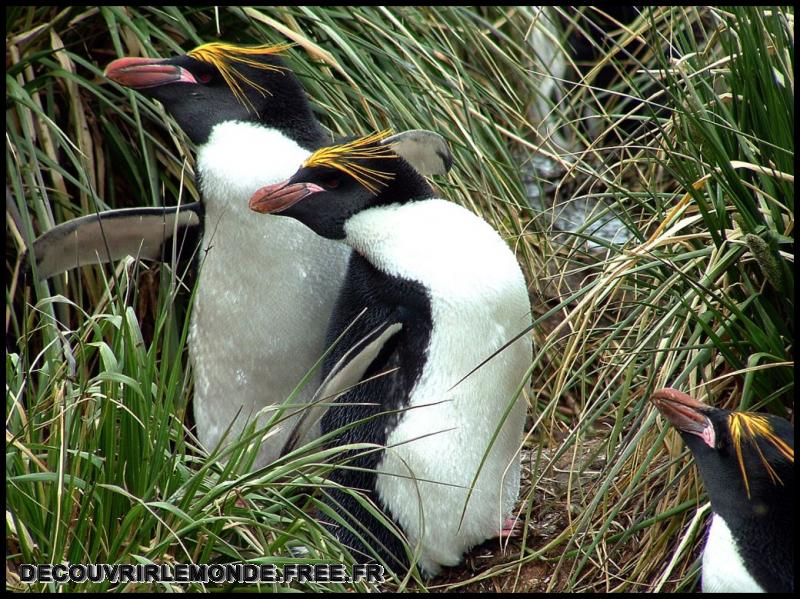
240,573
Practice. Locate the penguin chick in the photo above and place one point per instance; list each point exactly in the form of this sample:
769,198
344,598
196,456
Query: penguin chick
448,434
746,462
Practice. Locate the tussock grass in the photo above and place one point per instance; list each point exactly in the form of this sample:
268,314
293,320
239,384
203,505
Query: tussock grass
675,127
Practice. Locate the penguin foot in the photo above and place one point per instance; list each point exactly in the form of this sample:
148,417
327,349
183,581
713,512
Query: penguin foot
511,529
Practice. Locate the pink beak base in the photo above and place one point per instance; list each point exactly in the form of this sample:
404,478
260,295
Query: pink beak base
684,413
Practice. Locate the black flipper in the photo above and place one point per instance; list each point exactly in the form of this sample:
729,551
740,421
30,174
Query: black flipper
375,404
346,373
146,233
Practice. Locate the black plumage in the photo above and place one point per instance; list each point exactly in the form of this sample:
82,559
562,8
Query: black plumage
390,377
746,462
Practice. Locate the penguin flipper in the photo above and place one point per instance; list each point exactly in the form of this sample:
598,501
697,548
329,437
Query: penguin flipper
346,373
109,236
426,151
351,367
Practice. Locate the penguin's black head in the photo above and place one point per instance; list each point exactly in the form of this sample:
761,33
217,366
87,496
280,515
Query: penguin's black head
340,181
746,460
217,82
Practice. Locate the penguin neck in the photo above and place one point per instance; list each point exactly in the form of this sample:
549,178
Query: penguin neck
302,127
288,111
407,186
432,241
761,525
238,158
730,497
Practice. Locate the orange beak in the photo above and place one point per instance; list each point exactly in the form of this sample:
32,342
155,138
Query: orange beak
141,73
272,199
684,413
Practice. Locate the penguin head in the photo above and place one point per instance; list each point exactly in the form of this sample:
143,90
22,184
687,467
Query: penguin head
746,459
337,182
218,82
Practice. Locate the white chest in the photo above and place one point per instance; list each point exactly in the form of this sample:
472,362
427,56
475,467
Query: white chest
479,301
266,289
723,568
240,157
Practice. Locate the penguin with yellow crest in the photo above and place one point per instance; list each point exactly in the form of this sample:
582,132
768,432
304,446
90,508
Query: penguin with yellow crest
429,355
255,330
746,461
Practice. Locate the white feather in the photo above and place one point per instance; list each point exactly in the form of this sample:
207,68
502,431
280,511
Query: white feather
723,567
266,291
479,301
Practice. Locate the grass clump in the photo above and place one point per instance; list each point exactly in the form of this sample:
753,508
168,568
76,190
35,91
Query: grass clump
644,178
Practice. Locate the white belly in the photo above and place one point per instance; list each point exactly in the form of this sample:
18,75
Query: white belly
723,567
450,460
266,289
479,302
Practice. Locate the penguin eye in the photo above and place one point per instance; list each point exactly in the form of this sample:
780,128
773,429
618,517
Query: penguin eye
204,78
331,182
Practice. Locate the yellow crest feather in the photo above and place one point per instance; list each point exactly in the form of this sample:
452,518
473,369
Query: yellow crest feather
224,57
745,427
346,157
